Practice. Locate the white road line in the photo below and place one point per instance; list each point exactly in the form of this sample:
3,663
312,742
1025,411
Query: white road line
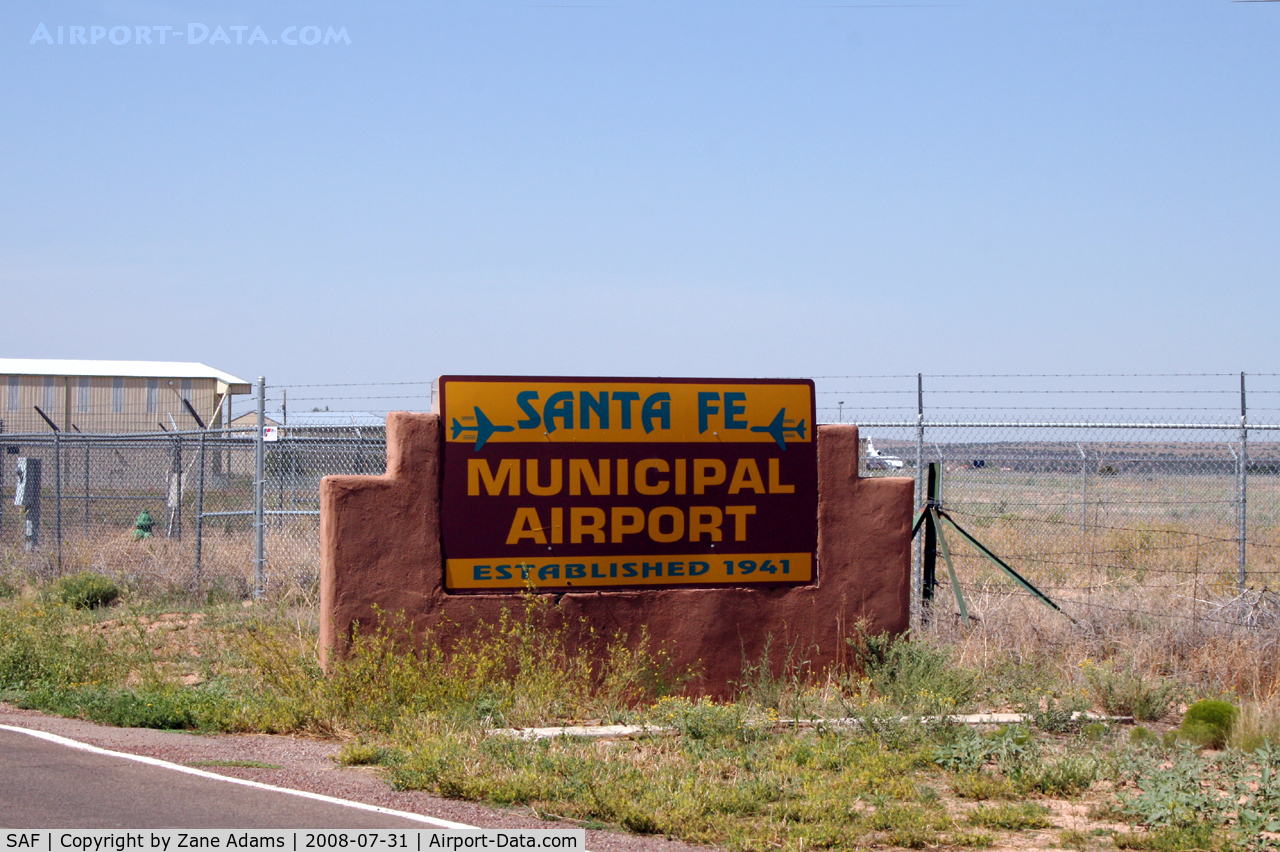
164,764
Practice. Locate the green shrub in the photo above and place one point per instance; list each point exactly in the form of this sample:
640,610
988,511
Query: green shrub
1129,693
365,754
703,719
1057,716
85,591
1094,732
913,675
1069,776
1143,736
980,786
1011,748
1208,723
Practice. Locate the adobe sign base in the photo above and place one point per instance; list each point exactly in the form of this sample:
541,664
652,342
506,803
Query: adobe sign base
380,549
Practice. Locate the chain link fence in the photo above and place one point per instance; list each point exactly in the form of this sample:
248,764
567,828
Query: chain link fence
1139,501
1155,495
177,508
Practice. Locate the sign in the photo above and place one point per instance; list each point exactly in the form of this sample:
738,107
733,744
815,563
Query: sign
596,483
26,486
270,433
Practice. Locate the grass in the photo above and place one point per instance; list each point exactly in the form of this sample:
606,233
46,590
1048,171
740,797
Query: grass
1073,839
166,708
981,786
368,754
1257,725
730,773
1120,692
85,590
1189,839
972,839
1011,817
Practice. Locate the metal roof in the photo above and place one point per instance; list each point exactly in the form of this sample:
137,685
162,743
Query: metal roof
132,369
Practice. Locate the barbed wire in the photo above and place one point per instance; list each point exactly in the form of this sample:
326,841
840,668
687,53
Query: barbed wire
356,385
1081,408
1111,586
333,398
1047,376
898,376
901,376
1069,503
1040,391
1064,392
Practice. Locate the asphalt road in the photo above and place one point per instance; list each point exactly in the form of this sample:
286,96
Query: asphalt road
51,785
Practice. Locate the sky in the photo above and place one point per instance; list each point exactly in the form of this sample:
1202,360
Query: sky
743,189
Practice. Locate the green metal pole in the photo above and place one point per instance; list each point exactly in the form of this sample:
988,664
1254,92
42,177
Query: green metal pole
955,581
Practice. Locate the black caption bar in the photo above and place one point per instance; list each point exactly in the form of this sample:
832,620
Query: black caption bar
292,840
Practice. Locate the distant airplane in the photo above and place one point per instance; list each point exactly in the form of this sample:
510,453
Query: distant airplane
778,430
484,429
876,460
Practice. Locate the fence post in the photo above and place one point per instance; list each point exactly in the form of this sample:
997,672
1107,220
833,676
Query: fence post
86,487
57,495
1243,472
259,493
917,567
200,509
1084,492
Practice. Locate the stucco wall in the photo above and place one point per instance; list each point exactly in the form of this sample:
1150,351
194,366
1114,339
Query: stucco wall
380,548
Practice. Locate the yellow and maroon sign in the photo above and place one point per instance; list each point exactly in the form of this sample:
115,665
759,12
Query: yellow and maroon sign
591,483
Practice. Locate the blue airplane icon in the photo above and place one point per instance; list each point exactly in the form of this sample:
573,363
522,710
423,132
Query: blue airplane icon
778,430
484,429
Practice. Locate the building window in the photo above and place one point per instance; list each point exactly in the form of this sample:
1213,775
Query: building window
50,396
117,396
186,389
153,395
14,385
82,395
